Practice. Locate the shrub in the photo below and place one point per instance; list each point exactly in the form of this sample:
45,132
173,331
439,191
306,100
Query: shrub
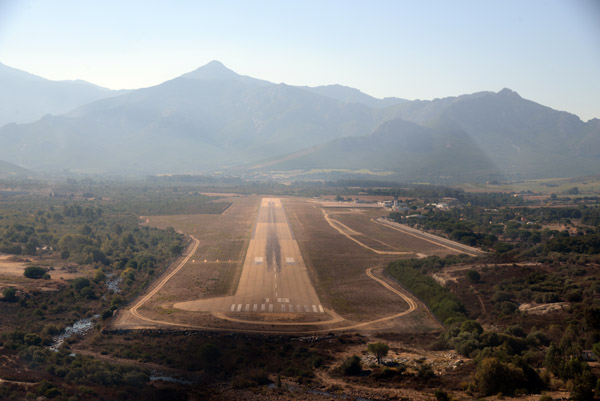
352,366
9,294
425,371
471,326
34,272
134,378
80,283
87,292
209,355
32,339
473,276
493,377
441,395
516,331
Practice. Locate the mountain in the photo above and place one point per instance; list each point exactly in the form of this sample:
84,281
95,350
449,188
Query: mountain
523,138
351,95
207,119
26,97
216,71
399,150
213,119
12,170
482,135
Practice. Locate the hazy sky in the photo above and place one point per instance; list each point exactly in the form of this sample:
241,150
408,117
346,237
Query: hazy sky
548,51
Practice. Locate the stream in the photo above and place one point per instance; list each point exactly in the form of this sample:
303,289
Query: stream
81,327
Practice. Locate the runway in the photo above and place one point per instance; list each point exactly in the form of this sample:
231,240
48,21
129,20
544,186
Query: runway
274,278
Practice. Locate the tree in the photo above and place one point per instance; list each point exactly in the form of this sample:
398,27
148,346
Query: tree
473,276
80,283
9,294
379,350
493,377
34,272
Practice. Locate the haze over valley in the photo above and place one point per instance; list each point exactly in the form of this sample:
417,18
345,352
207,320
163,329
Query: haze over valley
213,119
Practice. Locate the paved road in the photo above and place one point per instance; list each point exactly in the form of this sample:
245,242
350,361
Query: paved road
274,278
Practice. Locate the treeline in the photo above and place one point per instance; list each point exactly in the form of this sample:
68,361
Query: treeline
505,229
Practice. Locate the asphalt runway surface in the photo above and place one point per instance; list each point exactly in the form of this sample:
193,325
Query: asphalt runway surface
274,278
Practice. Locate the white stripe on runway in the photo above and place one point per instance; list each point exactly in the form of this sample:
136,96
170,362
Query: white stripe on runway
248,307
270,307
239,308
291,308
321,309
314,308
232,307
255,308
283,307
262,307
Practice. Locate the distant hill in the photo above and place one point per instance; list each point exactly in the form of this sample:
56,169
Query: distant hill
403,151
351,95
12,170
26,97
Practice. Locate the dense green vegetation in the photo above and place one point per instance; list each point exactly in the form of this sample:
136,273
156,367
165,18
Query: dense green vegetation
440,300
509,229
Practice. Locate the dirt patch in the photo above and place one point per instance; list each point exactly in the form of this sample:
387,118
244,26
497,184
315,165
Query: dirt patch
542,309
12,265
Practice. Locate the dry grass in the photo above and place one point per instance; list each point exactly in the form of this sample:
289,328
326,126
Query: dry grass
215,267
338,267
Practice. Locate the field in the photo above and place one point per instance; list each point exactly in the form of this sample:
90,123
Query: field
586,185
341,250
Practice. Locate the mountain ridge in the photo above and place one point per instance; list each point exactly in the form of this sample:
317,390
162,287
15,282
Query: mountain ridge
27,97
212,118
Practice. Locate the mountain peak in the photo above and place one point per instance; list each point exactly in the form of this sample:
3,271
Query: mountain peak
509,93
213,70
